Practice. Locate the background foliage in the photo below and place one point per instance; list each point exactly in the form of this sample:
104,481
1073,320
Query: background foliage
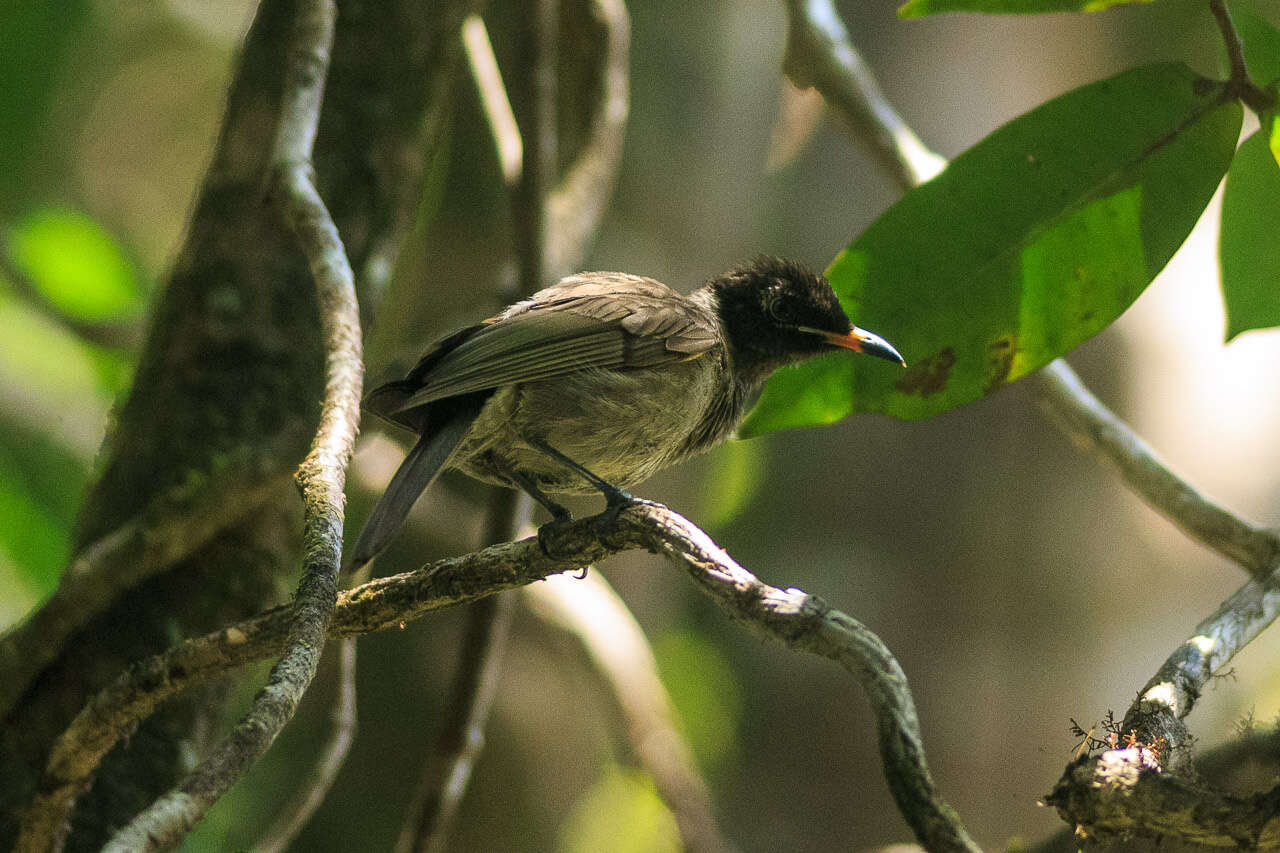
1017,582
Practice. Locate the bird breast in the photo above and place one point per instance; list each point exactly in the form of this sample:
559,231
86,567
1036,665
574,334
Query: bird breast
623,425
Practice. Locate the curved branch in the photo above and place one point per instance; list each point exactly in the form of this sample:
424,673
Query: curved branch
820,56
1094,427
798,620
322,475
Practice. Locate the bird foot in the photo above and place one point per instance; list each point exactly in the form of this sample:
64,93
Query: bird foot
604,523
550,532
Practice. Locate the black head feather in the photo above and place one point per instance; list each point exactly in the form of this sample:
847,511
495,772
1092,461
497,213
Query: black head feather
765,308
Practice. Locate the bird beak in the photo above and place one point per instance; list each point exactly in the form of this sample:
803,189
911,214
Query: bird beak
860,340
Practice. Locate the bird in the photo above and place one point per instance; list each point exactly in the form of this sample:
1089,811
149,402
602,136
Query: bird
600,380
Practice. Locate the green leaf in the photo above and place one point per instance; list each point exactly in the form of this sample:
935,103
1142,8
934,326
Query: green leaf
1026,245
1261,45
75,265
1249,242
920,8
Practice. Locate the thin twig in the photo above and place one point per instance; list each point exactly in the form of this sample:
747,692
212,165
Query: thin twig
457,748
315,786
1174,689
1256,98
619,651
1231,40
790,616
1094,427
321,476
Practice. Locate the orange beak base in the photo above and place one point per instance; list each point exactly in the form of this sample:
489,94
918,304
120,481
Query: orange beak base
860,340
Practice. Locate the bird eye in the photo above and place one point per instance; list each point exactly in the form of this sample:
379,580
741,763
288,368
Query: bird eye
780,309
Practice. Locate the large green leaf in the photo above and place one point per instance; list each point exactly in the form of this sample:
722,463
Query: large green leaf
1249,243
1026,245
920,8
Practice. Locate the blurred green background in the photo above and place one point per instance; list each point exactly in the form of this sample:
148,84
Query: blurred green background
1016,580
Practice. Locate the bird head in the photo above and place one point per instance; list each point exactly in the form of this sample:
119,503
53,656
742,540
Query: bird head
775,312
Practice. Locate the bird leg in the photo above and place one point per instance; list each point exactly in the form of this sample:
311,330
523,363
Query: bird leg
559,515
615,499
531,487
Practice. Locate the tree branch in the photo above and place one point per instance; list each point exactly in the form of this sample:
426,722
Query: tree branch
493,99
322,475
591,611
821,56
798,620
1094,427
312,790
1119,795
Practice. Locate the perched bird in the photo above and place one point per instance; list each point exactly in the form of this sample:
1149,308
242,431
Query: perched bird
598,381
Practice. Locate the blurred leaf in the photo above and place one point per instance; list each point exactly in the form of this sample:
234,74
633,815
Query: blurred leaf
1261,45
621,813
75,265
738,469
44,358
1273,139
40,485
1029,243
1249,242
1272,122
34,40
705,691
920,8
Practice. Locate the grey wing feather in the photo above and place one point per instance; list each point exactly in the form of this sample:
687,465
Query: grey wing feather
588,329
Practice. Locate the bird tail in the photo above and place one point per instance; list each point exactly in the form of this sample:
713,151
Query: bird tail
419,468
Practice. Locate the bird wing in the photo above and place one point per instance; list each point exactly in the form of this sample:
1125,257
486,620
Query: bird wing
578,324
